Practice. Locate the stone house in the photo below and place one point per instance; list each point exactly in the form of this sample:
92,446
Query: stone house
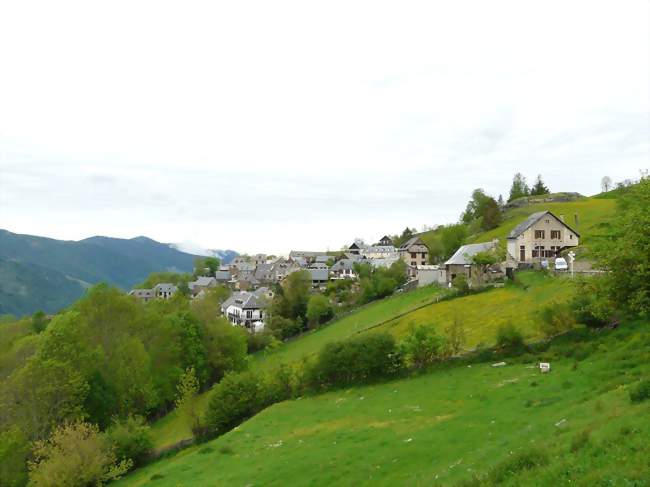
461,262
414,252
542,235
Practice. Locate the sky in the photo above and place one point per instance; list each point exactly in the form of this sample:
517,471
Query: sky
271,126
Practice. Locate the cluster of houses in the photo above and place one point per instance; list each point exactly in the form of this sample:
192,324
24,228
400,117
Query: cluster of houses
541,236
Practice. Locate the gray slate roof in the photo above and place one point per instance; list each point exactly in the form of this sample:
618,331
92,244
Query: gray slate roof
343,264
531,220
222,275
463,255
319,274
247,300
165,287
412,241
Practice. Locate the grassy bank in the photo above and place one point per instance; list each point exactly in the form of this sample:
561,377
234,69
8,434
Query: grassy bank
447,426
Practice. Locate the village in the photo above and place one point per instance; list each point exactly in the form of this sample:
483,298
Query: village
538,241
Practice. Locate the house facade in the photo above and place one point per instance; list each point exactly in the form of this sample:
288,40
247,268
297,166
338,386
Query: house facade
542,235
414,252
343,269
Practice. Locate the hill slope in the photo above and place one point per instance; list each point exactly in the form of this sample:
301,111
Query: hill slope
446,426
44,273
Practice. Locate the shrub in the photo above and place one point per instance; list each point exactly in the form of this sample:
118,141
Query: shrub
461,284
131,439
590,303
580,441
422,346
358,360
510,339
75,454
556,318
258,341
236,398
641,392
278,385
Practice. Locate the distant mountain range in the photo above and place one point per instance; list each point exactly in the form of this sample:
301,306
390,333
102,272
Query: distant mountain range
48,274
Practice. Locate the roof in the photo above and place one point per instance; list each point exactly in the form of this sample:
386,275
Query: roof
319,274
204,281
387,262
343,264
428,267
463,255
222,275
323,258
165,287
379,249
141,293
531,220
412,241
247,300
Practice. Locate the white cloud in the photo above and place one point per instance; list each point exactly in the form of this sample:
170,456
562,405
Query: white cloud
271,125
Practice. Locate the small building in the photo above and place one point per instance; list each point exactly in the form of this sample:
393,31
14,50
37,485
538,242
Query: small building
414,252
354,249
164,290
144,295
201,283
541,235
386,241
343,269
461,262
247,309
379,252
319,277
223,276
431,274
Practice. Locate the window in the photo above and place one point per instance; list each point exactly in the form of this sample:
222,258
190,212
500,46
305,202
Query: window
539,233
414,255
571,236
538,251
548,221
556,234
413,263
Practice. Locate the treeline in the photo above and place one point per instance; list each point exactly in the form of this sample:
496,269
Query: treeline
109,358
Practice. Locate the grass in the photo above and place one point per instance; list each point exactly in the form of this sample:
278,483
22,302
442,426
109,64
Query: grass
462,424
483,313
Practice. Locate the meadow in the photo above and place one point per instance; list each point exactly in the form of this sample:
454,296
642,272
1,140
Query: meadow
575,425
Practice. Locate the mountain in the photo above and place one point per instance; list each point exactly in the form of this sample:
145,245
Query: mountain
226,256
48,274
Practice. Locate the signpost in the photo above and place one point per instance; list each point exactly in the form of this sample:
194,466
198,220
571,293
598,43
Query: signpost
571,255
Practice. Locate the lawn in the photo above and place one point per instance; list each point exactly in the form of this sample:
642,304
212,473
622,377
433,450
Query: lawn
446,425
483,313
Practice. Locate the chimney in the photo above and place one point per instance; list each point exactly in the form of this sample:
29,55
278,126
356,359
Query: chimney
575,217
562,218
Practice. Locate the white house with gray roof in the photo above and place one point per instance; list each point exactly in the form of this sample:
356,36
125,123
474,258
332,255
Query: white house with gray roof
462,260
248,308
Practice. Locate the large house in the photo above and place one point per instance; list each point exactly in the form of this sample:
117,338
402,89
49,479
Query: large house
414,252
462,260
247,309
343,269
541,235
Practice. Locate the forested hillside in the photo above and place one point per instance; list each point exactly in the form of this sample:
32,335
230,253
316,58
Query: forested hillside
48,274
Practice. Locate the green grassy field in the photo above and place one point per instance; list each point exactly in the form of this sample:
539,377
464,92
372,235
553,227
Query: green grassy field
447,425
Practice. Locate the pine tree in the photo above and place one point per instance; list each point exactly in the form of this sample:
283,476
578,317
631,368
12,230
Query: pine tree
519,187
539,187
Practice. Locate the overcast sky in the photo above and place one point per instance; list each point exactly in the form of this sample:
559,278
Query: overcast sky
266,126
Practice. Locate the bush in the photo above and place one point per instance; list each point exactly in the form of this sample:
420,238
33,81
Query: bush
556,318
510,339
641,392
131,439
580,441
526,460
590,304
358,360
258,341
236,398
461,284
75,454
422,347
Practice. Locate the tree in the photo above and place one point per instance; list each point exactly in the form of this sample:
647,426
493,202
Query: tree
539,188
76,454
14,451
519,187
626,255
483,261
452,237
206,266
490,215
407,233
319,310
500,202
39,321
234,399
606,184
422,346
187,399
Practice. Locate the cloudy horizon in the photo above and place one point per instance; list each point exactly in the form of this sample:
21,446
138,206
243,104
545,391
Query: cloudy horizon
263,127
